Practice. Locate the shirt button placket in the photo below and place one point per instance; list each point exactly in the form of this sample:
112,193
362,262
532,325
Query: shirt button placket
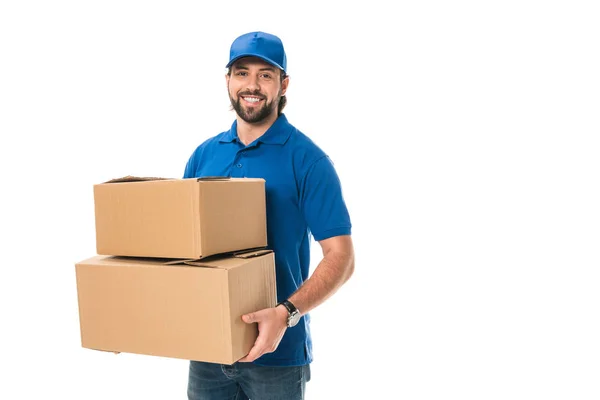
237,165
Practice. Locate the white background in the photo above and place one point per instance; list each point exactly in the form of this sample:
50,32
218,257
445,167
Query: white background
466,137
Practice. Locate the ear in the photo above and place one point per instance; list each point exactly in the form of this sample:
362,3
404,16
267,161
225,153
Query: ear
284,85
227,80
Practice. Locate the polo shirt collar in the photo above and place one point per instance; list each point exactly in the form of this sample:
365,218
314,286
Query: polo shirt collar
230,135
278,133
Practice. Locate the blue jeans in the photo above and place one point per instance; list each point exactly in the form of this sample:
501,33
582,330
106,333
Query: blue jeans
243,381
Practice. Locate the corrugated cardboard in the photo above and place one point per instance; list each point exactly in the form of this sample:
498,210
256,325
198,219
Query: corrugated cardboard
173,308
179,218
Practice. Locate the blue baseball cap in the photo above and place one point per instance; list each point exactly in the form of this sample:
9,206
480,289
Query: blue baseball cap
258,44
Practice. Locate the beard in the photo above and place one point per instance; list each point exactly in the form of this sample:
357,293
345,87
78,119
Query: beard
254,115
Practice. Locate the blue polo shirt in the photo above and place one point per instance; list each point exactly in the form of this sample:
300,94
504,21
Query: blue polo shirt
303,197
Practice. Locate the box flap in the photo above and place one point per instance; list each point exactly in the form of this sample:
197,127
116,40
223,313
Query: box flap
213,178
200,263
130,178
227,178
103,260
227,261
178,261
251,253
217,263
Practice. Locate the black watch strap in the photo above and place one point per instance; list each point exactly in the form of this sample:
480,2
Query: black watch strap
289,305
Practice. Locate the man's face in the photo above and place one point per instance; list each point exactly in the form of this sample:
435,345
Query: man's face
255,88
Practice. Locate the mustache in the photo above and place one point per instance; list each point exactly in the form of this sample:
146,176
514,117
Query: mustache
255,93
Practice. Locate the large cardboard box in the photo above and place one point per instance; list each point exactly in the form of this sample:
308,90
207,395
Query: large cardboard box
179,218
173,308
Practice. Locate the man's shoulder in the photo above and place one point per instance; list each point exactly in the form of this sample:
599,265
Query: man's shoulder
300,139
213,140
304,145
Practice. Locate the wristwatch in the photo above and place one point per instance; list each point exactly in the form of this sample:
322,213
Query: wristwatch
293,313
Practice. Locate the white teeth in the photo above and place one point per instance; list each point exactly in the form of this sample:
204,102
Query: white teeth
251,99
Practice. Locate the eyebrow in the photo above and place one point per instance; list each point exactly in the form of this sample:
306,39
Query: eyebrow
244,66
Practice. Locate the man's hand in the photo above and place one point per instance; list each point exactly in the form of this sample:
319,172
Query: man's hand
272,323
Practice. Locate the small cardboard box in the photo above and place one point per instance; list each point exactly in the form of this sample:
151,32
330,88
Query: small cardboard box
174,308
179,218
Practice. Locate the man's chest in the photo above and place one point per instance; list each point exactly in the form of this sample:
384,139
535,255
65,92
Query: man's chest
275,167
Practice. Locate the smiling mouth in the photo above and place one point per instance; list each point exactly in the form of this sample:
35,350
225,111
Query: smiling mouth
252,99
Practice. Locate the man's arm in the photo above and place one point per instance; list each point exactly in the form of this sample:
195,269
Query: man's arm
333,271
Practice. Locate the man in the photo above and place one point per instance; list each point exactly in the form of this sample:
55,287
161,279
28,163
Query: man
304,198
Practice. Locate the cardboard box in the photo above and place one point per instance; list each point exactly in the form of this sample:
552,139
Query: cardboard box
179,218
174,308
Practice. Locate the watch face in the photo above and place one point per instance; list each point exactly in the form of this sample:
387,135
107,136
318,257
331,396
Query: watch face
293,319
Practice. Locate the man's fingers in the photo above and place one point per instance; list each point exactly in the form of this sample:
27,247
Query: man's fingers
253,317
269,333
255,352
249,318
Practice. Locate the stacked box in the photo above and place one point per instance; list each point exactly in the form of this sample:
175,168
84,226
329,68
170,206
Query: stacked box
179,262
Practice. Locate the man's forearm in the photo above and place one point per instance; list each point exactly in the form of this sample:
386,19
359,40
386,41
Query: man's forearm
333,271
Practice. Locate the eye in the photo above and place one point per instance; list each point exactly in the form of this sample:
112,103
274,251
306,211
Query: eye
266,76
241,73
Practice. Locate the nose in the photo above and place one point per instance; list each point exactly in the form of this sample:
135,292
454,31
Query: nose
252,83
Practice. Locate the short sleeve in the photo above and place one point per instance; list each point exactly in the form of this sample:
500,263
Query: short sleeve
322,201
190,167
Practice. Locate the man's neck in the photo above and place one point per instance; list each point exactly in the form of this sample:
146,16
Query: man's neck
249,132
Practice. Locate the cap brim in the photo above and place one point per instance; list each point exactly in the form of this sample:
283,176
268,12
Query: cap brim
254,55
